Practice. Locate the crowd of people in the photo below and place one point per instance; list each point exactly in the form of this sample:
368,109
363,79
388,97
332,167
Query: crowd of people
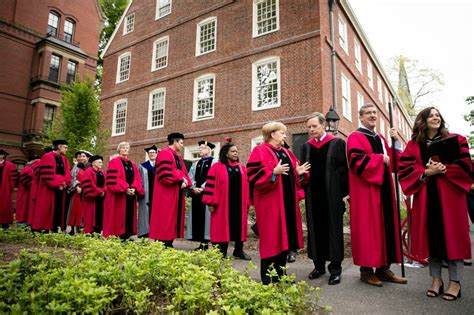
148,200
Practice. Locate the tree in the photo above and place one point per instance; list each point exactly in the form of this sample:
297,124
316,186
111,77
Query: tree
415,82
470,118
78,120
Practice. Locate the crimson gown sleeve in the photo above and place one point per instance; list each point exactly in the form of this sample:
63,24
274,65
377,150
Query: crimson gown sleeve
246,194
260,171
210,194
47,172
26,175
89,186
458,173
368,166
166,171
410,170
137,182
13,176
113,181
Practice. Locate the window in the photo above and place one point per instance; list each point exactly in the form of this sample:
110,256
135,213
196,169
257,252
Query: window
163,8
386,97
123,67
357,56
204,87
360,102
206,36
48,116
346,97
71,71
256,141
120,118
382,127
54,68
129,24
370,75
265,17
53,22
266,83
160,53
68,30
379,88
343,34
156,109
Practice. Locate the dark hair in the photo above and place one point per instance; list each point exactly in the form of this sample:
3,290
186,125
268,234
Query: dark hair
420,127
223,152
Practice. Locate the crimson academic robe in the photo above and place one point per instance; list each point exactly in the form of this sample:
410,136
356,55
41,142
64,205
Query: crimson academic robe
49,182
8,181
269,201
116,198
33,191
77,206
453,187
368,229
91,193
23,194
216,194
168,207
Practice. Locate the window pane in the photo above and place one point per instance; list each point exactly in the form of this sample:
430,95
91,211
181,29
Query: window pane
68,31
207,37
48,116
54,68
120,117
205,98
164,7
130,23
53,20
266,16
71,71
157,109
161,54
267,85
124,70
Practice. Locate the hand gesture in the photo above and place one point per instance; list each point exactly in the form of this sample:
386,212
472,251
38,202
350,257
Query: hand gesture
184,184
281,169
394,133
303,169
386,159
78,189
130,191
197,190
435,168
212,209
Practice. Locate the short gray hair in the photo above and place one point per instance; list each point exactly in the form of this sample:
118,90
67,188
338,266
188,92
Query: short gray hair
122,144
319,116
364,107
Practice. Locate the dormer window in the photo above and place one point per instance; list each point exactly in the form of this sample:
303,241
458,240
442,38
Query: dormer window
53,22
68,30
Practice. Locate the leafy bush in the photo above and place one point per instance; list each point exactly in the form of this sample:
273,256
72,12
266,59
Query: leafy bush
82,274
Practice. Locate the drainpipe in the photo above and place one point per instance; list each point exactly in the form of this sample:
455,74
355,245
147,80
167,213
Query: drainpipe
333,54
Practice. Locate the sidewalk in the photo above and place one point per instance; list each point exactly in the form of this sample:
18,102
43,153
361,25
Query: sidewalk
352,296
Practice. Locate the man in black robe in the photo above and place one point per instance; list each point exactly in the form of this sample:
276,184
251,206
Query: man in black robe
147,174
328,185
198,227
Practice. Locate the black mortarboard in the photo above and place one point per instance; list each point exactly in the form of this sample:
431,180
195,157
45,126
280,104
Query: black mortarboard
95,158
3,152
59,142
210,145
175,136
47,149
153,147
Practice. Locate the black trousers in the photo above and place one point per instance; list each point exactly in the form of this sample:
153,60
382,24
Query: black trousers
334,267
239,247
278,262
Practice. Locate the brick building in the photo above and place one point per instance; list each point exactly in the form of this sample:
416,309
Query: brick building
219,68
44,44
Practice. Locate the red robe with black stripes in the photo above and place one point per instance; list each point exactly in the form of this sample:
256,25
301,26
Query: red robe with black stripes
90,192
7,185
33,190
23,193
116,199
453,187
166,194
366,173
48,182
269,202
216,194
77,206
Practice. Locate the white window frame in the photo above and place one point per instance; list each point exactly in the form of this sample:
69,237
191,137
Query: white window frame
254,18
150,108
382,127
160,40
370,74
255,66
119,62
199,26
379,88
158,7
195,98
386,98
256,141
360,102
194,149
357,55
127,23
114,119
346,97
343,38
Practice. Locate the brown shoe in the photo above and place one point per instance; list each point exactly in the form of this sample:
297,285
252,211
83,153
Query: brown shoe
371,279
389,276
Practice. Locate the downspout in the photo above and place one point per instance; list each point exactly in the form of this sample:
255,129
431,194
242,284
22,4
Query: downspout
333,54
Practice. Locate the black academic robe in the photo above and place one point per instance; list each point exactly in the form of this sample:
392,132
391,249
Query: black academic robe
327,186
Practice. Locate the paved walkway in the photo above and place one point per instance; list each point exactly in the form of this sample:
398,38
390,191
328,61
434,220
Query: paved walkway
352,296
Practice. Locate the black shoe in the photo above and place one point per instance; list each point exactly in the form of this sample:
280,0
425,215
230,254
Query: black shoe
241,255
315,274
334,279
291,257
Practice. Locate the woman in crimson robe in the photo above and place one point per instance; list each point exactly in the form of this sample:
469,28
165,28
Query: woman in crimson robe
439,221
275,177
93,192
123,186
227,195
23,193
8,181
33,190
